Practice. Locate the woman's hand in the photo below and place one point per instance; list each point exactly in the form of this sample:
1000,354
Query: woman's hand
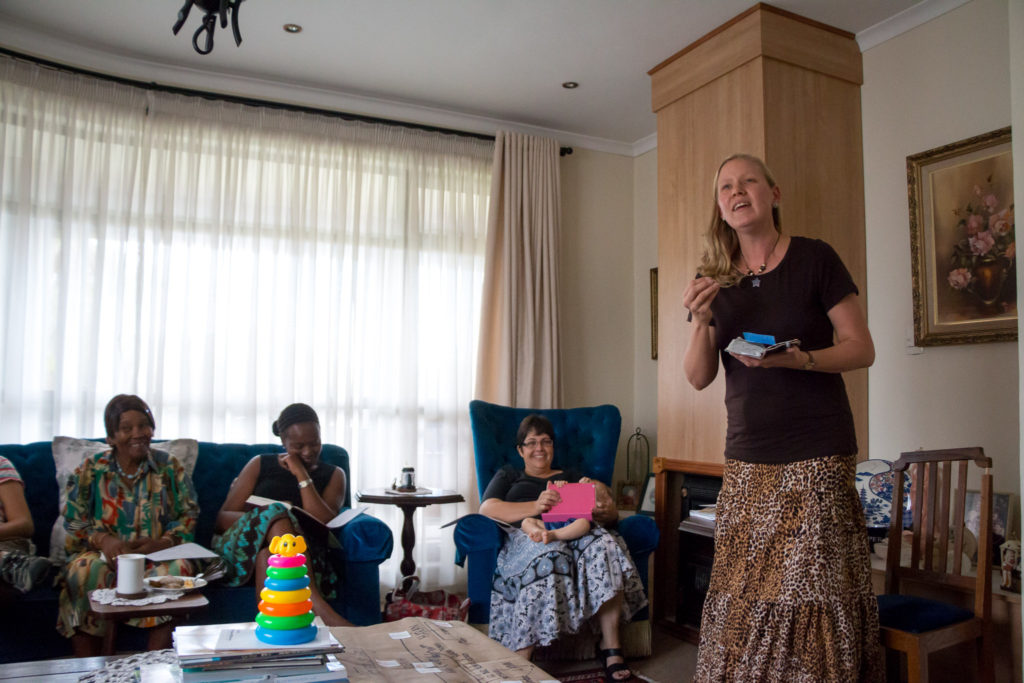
700,361
111,546
697,298
793,358
547,499
294,464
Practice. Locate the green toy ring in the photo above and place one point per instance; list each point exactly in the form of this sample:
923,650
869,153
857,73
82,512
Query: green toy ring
285,623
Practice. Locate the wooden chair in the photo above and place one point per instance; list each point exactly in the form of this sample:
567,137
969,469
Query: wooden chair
919,626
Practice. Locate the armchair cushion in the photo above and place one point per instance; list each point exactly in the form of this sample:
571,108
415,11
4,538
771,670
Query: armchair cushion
586,439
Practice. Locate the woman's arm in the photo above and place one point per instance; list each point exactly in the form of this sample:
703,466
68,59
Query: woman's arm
241,488
85,532
19,518
511,513
324,506
700,362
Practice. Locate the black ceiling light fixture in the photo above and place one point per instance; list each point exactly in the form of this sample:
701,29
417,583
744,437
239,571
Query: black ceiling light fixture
213,8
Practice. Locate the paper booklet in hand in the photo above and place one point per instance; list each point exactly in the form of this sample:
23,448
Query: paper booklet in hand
577,503
758,345
342,518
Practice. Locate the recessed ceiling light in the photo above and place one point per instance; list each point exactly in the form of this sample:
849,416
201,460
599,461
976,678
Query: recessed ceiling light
293,28
570,85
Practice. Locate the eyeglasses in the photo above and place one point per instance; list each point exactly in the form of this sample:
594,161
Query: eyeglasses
533,443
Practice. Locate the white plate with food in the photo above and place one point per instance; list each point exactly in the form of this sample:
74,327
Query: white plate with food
173,584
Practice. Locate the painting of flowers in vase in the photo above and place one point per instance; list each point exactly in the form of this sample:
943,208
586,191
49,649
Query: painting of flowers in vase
963,242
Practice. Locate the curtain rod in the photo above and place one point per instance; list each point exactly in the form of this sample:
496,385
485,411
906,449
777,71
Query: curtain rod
251,101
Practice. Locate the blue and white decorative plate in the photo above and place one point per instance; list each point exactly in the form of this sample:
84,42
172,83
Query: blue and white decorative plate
874,481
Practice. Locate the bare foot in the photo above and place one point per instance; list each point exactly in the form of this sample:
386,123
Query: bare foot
549,536
537,536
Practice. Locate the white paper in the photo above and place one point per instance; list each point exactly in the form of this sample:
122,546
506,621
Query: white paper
388,663
184,551
399,635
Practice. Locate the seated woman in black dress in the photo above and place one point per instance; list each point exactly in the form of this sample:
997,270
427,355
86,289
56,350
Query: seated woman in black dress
298,477
542,591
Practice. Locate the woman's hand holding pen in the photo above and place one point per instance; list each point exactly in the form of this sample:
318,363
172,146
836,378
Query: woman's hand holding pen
697,298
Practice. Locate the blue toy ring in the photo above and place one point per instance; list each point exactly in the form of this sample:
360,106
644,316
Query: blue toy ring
286,584
290,637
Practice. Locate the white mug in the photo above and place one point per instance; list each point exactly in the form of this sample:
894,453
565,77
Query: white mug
130,567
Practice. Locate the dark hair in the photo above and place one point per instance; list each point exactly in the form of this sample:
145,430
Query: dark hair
294,414
534,423
121,404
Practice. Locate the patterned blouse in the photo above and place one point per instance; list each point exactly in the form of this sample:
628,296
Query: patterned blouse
7,473
158,501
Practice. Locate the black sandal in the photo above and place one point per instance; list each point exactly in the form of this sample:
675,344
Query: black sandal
611,669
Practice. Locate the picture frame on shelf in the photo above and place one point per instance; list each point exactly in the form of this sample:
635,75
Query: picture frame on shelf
1005,513
629,495
646,506
962,241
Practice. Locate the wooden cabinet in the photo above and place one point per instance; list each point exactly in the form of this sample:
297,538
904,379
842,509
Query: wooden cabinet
682,562
784,88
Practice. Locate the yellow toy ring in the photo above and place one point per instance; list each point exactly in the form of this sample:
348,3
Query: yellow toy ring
283,597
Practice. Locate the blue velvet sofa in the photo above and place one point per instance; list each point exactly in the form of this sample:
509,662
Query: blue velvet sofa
28,622
586,439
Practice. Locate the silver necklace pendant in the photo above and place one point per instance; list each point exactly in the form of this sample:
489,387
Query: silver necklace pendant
756,282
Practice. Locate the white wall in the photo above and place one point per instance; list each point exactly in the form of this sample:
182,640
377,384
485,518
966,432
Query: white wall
596,283
943,81
645,257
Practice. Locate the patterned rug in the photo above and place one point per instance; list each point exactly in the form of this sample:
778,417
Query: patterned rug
594,676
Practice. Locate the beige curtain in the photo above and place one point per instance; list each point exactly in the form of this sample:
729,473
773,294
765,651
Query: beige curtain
518,355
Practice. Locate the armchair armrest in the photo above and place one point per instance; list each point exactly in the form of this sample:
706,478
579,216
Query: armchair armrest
641,536
365,543
478,540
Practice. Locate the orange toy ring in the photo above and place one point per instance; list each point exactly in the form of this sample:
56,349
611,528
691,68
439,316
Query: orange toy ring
289,609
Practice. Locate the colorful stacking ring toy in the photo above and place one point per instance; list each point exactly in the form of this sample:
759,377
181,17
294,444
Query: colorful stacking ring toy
286,611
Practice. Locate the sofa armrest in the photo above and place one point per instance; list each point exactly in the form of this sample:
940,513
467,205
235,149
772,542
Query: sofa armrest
478,540
365,543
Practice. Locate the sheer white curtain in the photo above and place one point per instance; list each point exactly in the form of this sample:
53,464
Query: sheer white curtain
223,260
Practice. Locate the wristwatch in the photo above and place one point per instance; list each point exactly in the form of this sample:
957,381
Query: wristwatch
809,365
304,483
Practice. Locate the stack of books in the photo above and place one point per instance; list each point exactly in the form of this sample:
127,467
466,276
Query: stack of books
700,521
231,652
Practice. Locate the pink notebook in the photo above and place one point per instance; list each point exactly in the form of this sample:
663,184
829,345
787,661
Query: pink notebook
577,503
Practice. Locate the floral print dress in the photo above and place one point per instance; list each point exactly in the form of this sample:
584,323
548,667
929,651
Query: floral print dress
157,501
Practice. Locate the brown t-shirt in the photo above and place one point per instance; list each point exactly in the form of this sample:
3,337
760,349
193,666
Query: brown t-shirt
780,415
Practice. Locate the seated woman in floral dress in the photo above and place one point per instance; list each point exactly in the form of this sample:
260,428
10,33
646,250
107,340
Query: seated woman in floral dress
130,499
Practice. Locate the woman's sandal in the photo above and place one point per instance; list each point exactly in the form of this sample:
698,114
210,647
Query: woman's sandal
611,669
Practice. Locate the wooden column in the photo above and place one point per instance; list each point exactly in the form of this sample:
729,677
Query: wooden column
784,88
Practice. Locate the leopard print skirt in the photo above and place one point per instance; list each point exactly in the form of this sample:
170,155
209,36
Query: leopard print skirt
790,597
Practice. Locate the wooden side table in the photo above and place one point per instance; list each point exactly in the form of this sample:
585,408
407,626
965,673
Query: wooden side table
184,605
408,502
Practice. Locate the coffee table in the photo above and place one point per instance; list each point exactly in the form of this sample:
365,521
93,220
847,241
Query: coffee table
65,670
186,604
408,502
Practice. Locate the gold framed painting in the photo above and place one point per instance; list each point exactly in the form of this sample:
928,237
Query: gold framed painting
962,241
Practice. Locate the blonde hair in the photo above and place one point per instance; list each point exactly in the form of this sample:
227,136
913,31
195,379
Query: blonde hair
721,246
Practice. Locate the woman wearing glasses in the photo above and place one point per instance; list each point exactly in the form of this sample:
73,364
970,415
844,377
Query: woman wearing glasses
543,591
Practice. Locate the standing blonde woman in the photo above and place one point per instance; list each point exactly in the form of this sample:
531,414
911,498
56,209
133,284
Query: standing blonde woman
790,597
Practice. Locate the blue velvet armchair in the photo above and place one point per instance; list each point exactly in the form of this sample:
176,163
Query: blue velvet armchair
586,439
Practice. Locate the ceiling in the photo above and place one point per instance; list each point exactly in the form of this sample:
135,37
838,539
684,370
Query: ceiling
475,65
